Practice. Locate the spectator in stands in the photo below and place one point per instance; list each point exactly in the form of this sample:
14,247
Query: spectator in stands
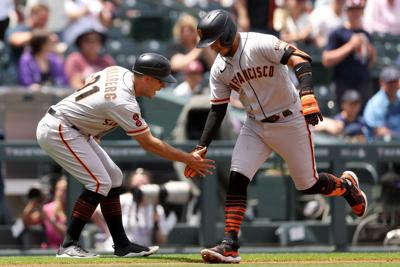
325,19
20,35
193,81
54,216
183,50
87,59
31,214
57,18
255,15
351,52
40,65
320,3
7,8
96,14
382,112
51,216
382,16
348,123
296,27
144,223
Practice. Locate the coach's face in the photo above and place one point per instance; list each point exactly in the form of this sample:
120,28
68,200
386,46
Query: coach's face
147,86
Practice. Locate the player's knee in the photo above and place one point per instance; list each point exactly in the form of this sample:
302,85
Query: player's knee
105,187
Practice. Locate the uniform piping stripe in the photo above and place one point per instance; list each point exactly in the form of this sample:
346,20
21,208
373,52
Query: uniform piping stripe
78,159
137,131
219,100
254,91
312,151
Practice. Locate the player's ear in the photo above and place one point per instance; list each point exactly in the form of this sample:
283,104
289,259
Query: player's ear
147,78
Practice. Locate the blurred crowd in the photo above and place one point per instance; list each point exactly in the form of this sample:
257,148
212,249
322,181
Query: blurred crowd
60,43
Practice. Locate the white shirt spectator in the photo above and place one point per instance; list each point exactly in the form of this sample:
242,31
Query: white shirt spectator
324,20
381,16
89,11
321,3
57,17
6,7
192,84
184,90
138,221
297,25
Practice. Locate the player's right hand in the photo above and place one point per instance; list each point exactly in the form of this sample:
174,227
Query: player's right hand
199,164
310,109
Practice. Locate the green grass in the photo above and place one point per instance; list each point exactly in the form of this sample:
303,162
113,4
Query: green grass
259,259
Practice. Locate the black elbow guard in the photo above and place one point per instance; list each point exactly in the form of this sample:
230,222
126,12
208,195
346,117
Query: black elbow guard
290,50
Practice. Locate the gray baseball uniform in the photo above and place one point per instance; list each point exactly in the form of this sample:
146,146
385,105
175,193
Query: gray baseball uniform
67,132
274,121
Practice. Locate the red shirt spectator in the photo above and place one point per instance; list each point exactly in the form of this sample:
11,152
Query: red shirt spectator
88,59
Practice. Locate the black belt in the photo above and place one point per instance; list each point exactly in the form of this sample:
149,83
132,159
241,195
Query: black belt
52,112
277,116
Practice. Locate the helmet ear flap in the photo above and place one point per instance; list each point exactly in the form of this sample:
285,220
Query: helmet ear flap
229,34
216,25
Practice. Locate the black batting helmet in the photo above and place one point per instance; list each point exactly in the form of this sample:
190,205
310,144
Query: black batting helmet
216,24
154,65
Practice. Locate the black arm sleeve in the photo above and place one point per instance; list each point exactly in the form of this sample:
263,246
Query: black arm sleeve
214,120
303,73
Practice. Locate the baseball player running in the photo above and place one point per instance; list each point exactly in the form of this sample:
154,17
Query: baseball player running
278,119
69,133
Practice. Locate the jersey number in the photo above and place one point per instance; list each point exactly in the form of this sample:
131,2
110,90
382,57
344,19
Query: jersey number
90,91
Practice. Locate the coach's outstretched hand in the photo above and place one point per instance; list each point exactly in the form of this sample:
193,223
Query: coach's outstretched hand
199,154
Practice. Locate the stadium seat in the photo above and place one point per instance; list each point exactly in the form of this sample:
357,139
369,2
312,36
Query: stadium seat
295,233
388,51
326,100
271,196
163,110
154,25
3,61
124,50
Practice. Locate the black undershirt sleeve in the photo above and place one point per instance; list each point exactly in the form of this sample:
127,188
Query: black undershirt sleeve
214,120
303,73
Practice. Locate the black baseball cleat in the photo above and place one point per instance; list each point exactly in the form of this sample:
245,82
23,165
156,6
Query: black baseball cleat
226,252
135,250
354,195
